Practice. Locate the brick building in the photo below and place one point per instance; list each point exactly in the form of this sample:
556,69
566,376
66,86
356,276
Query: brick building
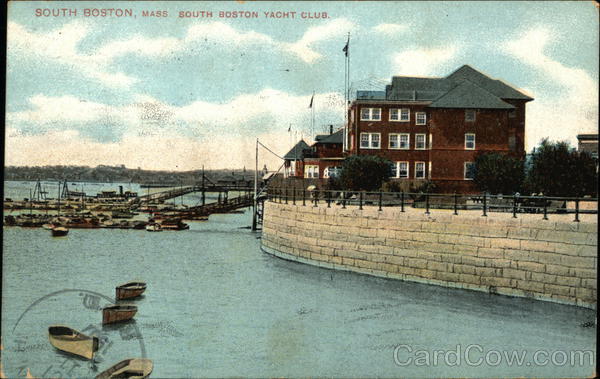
319,161
433,128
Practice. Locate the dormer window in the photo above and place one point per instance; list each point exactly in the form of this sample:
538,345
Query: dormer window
469,115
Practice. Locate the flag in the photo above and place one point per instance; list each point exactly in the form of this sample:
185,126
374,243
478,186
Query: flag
345,49
311,101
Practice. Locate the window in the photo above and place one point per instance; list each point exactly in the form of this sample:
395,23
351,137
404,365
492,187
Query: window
394,169
421,118
400,114
420,141
419,170
311,171
399,170
403,169
399,141
469,141
331,172
469,170
469,115
370,140
370,114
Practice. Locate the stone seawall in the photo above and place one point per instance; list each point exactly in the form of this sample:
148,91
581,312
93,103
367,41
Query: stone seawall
553,260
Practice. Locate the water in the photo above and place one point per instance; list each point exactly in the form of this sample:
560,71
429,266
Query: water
216,306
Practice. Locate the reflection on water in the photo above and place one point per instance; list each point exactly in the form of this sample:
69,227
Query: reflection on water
216,306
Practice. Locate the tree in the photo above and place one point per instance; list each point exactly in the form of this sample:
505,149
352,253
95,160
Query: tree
498,173
364,172
558,170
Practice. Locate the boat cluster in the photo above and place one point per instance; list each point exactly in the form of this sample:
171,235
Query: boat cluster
86,220
74,342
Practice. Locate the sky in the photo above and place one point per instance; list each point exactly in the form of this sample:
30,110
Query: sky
177,93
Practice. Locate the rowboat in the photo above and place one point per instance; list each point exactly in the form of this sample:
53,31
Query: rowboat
153,228
130,290
136,368
117,313
70,340
59,231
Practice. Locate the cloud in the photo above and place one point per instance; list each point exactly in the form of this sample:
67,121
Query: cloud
423,61
568,112
148,132
390,30
61,45
303,48
170,152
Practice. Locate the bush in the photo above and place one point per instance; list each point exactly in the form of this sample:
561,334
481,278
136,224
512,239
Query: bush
364,172
499,174
558,170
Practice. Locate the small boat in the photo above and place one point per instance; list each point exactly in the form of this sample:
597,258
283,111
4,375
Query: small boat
70,340
59,231
136,368
130,290
154,227
117,313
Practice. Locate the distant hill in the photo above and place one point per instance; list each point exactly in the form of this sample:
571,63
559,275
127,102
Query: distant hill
121,173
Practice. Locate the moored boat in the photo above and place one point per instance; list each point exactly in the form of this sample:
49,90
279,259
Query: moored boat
117,313
154,227
59,231
136,368
71,341
130,290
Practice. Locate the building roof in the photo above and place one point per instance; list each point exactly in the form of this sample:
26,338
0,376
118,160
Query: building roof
337,137
297,151
469,95
587,137
464,88
370,95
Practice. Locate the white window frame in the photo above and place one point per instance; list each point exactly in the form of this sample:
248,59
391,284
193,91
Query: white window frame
417,171
424,121
407,170
310,170
399,115
370,141
465,170
399,135
394,166
467,141
424,147
329,169
468,112
370,116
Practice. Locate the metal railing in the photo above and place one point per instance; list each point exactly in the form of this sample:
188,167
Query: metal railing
486,203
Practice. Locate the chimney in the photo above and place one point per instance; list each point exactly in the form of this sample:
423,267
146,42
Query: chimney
330,129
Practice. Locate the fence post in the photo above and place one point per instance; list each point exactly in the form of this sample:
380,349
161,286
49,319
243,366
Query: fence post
455,204
484,204
402,201
426,203
315,196
514,206
303,197
343,200
286,195
360,200
328,199
576,210
545,207
380,199
294,195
